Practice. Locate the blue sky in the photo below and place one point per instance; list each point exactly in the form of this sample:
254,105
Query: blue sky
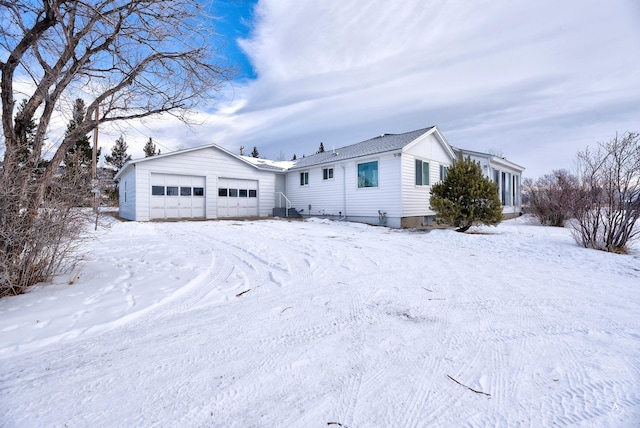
535,81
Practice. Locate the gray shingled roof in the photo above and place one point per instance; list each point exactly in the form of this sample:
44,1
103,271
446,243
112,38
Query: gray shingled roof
380,144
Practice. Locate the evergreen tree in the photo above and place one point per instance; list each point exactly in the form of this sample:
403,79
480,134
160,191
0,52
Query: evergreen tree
81,153
76,178
466,197
294,157
254,152
119,155
26,137
321,148
150,149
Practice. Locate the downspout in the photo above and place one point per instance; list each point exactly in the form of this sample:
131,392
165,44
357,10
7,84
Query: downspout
344,192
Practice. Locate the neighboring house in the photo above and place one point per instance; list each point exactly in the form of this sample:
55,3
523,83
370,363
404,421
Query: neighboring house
384,180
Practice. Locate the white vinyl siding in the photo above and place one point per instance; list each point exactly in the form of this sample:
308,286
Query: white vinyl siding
415,198
341,195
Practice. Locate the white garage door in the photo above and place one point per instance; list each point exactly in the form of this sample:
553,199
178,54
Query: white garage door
177,196
237,198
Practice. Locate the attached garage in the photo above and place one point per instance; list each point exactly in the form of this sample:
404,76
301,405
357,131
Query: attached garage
237,198
205,182
177,196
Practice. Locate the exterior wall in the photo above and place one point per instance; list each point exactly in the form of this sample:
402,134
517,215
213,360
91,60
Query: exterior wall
210,163
127,192
340,196
415,198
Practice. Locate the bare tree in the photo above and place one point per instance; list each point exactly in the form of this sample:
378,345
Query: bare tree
610,182
553,197
130,59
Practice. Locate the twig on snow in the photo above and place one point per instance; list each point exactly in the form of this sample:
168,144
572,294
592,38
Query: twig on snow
288,307
336,423
240,294
431,291
436,298
468,387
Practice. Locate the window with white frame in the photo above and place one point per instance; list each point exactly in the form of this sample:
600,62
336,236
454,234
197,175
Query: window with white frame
422,173
443,172
304,178
368,174
327,173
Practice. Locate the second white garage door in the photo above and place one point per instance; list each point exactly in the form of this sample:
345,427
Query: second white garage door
237,198
177,196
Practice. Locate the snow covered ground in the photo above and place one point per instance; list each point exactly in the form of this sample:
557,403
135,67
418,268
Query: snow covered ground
326,324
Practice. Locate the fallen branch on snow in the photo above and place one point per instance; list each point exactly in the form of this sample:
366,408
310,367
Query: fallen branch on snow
336,423
288,307
240,294
427,289
468,387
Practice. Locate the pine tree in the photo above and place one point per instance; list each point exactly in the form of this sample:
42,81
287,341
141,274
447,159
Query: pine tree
466,197
26,136
294,157
119,155
254,152
76,178
150,149
81,153
321,148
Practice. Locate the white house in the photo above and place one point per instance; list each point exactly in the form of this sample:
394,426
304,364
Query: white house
384,180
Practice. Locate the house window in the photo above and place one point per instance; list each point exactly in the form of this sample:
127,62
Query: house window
222,191
125,191
185,191
443,172
422,173
368,174
157,190
172,190
198,191
506,188
304,178
327,173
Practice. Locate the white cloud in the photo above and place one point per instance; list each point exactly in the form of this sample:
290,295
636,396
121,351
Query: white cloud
537,80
